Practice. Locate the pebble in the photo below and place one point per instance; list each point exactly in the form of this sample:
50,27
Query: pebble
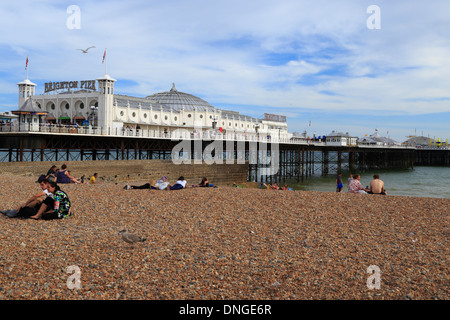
224,243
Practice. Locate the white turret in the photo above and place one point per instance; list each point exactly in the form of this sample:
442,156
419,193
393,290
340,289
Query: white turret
105,100
26,90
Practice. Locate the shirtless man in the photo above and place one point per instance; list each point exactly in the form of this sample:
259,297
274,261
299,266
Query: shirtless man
377,185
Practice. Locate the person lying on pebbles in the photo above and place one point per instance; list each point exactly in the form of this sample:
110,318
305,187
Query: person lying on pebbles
150,185
160,184
180,184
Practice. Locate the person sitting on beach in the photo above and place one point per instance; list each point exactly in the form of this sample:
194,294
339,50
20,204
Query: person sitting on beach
180,184
56,207
356,186
33,202
204,183
350,178
73,179
93,178
51,173
339,184
377,186
63,176
46,206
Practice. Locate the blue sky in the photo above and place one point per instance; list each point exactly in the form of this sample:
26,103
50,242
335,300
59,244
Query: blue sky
309,60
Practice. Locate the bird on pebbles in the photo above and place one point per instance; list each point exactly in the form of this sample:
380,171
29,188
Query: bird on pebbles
130,238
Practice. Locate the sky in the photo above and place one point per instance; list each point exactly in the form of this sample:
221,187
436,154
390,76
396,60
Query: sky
350,65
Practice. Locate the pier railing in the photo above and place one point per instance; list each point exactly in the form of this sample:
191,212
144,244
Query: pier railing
175,134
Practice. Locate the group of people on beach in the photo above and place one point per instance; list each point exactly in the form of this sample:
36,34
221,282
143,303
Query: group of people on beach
354,185
50,203
164,184
276,186
63,175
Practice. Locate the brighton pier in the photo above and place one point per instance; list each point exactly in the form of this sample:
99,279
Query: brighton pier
268,158
95,123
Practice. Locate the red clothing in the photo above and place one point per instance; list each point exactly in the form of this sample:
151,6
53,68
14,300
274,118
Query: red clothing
355,186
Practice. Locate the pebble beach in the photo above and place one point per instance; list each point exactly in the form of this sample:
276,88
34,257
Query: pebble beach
225,243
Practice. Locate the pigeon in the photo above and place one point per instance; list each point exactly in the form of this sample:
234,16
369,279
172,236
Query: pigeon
86,50
130,238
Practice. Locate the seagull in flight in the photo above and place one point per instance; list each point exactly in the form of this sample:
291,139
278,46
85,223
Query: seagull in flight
85,51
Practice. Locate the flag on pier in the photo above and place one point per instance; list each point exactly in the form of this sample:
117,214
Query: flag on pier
104,56
26,64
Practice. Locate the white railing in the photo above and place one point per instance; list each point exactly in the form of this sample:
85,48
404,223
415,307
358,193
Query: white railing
180,134
175,134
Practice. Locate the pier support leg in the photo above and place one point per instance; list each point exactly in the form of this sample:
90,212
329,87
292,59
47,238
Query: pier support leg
325,163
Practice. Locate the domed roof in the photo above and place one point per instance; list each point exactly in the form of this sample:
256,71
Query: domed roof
180,100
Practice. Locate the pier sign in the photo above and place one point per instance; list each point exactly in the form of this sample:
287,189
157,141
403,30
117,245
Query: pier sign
274,117
85,84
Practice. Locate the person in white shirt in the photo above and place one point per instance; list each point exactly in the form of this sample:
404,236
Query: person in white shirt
180,184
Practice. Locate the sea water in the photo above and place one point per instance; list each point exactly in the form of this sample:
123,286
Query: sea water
418,182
